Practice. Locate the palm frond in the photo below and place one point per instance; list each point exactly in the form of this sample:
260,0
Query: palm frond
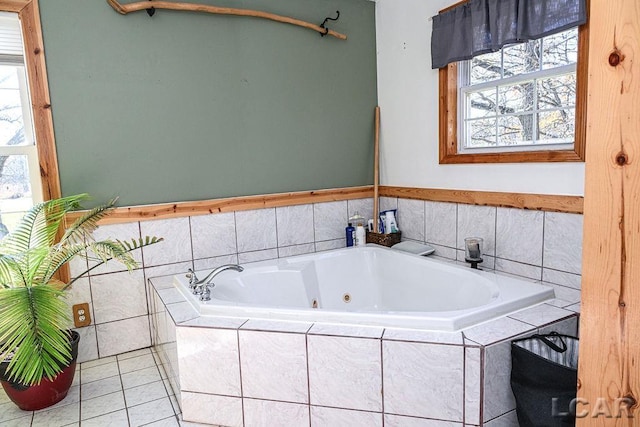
58,258
106,250
120,251
134,244
86,224
32,329
9,270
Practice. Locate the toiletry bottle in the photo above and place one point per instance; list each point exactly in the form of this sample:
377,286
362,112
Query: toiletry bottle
361,239
351,234
391,225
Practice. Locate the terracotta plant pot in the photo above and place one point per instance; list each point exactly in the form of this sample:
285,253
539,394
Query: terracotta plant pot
48,392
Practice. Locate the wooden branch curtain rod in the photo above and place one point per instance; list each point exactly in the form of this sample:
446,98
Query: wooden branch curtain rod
194,7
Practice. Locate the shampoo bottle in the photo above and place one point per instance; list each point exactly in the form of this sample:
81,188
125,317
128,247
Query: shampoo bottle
350,234
361,239
390,222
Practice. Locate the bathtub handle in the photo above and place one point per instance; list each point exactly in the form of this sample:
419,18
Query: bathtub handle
193,279
206,291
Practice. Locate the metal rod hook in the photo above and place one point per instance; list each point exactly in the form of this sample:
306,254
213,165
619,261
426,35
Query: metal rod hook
328,18
151,11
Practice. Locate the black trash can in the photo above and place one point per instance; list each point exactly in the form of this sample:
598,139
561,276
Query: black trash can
544,376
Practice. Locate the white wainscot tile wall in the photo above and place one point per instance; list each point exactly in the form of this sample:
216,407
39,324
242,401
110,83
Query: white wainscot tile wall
542,246
538,245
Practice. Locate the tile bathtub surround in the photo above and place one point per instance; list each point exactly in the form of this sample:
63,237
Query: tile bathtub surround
254,371
176,246
434,374
345,372
205,242
107,291
562,234
534,244
213,235
203,372
519,235
330,220
441,222
294,225
274,366
411,216
256,230
477,221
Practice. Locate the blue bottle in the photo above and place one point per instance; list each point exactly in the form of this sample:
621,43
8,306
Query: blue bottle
350,232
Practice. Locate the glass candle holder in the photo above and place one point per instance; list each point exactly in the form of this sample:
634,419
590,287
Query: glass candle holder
473,249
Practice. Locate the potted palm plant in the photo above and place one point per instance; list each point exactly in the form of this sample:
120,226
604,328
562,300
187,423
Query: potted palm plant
37,350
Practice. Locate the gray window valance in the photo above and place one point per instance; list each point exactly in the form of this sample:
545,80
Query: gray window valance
482,26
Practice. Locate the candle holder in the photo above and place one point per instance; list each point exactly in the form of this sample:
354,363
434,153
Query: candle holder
473,250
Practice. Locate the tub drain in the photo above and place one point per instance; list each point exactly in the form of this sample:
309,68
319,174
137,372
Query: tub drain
346,298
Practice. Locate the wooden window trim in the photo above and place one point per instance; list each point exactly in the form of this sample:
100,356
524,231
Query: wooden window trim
448,118
29,14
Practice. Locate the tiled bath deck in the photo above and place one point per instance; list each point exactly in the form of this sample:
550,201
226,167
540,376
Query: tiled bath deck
118,391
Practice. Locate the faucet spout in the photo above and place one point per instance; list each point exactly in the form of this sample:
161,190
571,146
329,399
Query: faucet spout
207,280
203,287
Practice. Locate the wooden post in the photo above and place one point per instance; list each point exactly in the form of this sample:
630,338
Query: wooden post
376,170
609,365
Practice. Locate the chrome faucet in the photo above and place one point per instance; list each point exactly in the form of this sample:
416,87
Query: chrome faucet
191,275
203,287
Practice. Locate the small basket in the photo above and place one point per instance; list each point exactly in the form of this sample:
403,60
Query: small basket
384,239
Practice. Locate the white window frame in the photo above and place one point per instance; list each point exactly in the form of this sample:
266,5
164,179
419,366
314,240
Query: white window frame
464,87
30,149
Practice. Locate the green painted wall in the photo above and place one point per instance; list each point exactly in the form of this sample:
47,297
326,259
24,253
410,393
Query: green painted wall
186,106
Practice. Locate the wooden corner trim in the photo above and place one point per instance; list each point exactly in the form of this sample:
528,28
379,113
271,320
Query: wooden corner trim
550,203
40,100
232,204
540,202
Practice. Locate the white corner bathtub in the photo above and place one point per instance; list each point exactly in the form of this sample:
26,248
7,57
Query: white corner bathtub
369,285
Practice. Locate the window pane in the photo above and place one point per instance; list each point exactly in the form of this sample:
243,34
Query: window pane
556,127
481,133
560,49
15,191
11,120
557,92
516,98
521,58
482,104
515,130
485,67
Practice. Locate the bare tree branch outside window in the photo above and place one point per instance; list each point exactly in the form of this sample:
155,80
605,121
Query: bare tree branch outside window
14,175
525,94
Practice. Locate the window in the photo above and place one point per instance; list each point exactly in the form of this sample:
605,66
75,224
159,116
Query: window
524,103
20,185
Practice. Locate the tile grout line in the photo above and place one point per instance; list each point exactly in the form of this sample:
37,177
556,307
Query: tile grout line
147,289
240,374
382,378
124,398
306,347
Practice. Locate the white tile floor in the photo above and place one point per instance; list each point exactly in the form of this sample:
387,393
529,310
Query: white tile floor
130,389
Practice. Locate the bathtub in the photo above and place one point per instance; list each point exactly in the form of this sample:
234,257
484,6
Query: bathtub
369,285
